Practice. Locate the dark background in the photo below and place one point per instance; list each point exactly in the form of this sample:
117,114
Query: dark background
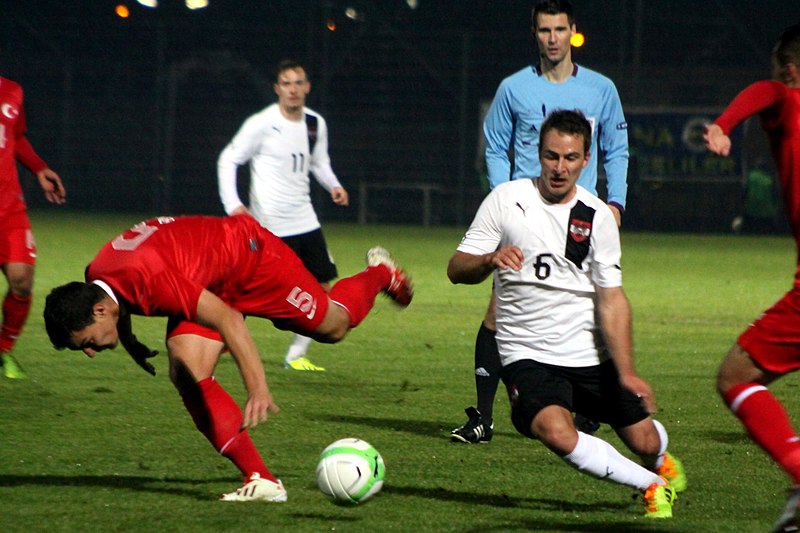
134,112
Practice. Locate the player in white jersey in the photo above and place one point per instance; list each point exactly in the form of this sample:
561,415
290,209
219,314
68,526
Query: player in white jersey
563,320
511,129
283,143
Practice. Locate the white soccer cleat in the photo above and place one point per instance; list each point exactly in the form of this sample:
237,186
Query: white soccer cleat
257,489
400,289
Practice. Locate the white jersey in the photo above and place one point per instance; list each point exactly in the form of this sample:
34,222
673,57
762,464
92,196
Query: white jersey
546,311
278,151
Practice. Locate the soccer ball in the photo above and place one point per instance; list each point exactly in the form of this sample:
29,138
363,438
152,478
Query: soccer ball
350,471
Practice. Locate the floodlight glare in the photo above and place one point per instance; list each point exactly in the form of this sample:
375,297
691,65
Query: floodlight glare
149,3
196,4
354,14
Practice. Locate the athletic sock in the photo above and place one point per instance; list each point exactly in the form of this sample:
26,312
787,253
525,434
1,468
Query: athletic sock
356,294
768,424
298,348
487,371
601,460
15,313
219,418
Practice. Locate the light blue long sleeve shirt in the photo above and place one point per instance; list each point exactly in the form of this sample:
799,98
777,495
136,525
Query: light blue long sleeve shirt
521,104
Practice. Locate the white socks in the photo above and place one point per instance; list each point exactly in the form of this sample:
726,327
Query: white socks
598,458
298,348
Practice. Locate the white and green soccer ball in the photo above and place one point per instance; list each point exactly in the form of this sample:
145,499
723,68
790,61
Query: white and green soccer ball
350,471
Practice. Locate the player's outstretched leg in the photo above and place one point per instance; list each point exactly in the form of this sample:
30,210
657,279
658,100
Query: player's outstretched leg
400,289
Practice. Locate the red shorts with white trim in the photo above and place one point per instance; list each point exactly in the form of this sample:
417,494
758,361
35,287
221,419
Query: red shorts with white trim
17,245
278,287
773,340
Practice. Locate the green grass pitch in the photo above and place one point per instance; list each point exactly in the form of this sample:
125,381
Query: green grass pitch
99,445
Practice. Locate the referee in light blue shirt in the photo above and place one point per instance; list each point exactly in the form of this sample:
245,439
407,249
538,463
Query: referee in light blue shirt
522,102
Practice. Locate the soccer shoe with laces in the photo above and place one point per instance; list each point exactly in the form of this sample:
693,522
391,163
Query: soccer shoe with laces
474,431
302,363
790,518
400,289
256,489
658,501
672,470
11,368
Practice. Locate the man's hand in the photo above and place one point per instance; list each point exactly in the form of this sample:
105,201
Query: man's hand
642,390
340,197
716,141
141,353
616,213
241,210
508,257
257,408
52,186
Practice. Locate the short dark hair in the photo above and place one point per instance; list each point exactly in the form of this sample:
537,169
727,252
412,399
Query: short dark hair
787,49
288,64
568,121
553,7
70,308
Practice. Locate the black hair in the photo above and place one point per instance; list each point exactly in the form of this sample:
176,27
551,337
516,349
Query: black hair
70,308
553,7
288,64
572,122
787,50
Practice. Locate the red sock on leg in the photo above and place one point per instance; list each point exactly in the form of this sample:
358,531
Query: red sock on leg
219,418
357,293
15,313
768,424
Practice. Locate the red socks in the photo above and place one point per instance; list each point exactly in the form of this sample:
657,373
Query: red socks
15,312
768,424
357,293
219,418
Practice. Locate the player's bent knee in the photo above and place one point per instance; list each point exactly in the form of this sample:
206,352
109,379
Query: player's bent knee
334,327
737,367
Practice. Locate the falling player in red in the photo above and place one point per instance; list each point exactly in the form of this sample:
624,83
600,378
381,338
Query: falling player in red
17,247
206,274
770,347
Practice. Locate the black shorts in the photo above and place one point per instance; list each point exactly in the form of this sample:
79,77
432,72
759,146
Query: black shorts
313,252
592,391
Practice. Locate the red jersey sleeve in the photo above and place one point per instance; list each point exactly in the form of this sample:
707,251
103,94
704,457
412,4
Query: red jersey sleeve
752,100
25,154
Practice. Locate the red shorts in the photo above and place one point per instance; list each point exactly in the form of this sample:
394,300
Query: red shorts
17,246
773,340
278,287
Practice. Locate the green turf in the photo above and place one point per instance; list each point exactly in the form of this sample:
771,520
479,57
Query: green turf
99,445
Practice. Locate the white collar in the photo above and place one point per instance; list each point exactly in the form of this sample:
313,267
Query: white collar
103,285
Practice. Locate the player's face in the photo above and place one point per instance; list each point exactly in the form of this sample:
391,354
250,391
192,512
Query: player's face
292,88
552,33
98,336
563,159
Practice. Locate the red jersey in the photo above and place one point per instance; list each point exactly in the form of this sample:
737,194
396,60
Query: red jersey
778,106
160,266
14,147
